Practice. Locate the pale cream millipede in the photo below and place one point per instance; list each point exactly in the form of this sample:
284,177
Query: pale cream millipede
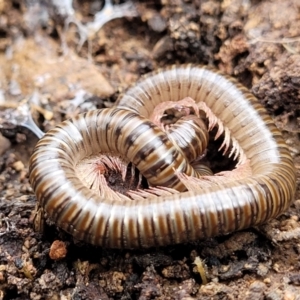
210,209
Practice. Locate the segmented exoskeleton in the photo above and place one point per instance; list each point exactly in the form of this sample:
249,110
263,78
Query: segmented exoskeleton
208,211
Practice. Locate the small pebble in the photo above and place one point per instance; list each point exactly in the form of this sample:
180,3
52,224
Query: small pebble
18,166
58,250
4,144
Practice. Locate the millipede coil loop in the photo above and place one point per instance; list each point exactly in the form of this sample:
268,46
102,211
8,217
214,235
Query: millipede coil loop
208,211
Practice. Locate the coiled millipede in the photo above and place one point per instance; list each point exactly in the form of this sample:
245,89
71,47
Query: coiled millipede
213,208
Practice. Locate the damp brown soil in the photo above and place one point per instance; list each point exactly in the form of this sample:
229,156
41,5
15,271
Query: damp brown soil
258,42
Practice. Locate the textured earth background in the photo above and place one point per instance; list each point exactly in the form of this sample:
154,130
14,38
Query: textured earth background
64,70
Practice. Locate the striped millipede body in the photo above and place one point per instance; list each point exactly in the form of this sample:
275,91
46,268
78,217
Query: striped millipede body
208,211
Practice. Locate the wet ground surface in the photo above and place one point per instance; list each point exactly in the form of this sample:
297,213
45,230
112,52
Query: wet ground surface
64,72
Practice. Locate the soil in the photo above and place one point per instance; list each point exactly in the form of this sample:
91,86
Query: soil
65,72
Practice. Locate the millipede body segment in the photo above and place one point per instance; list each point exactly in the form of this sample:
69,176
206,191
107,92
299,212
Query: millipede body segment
125,130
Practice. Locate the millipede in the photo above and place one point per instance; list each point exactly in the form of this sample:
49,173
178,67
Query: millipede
210,207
